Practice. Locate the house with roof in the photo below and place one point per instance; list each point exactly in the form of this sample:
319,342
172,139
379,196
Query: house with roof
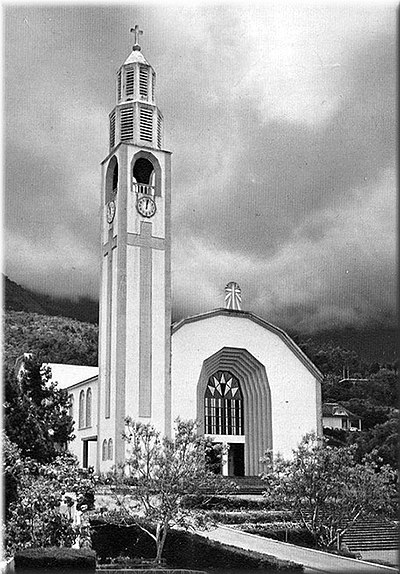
336,416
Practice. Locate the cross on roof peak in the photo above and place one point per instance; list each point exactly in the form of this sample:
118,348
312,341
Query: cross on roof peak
137,32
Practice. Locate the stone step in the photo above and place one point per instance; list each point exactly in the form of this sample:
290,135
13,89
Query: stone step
373,535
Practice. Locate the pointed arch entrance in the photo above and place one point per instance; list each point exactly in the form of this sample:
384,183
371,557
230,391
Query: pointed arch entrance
256,423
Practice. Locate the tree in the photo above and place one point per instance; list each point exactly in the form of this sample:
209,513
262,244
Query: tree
36,412
34,517
327,490
159,474
381,441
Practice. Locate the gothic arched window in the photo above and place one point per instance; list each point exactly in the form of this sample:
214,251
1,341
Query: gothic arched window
71,406
89,407
110,449
104,450
223,405
81,409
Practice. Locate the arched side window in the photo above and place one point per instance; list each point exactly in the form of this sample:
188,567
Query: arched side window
223,405
111,179
110,449
89,407
81,409
71,406
104,450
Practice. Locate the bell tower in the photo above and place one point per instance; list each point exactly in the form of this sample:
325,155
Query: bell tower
135,298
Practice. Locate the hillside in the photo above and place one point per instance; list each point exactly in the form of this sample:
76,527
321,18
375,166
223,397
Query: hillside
19,298
53,339
371,344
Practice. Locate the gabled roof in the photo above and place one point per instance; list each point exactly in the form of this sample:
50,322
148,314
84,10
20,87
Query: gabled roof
336,410
259,321
68,375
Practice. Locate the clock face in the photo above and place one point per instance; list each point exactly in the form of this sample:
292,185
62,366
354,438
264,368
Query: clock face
146,206
110,211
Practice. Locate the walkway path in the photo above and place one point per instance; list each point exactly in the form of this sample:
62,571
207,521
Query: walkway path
314,561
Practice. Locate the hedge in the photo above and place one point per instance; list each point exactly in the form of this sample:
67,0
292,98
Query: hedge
222,503
60,559
284,533
182,550
255,516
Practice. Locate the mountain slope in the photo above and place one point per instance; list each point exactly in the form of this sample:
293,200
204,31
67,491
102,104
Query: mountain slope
19,298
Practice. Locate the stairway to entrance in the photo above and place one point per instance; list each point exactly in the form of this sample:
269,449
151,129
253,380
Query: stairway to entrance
247,484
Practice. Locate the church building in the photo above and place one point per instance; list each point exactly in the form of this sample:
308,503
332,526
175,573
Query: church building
244,380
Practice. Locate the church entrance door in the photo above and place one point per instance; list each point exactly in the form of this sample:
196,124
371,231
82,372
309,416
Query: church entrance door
236,459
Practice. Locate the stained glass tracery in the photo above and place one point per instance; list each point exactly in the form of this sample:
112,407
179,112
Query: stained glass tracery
223,405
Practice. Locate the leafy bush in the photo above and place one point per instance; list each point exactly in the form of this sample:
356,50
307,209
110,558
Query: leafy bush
55,558
34,518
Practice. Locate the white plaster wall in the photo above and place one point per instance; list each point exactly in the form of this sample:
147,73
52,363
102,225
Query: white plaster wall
158,340
294,396
132,330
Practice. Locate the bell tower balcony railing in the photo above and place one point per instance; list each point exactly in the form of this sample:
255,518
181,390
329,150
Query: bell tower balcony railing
144,188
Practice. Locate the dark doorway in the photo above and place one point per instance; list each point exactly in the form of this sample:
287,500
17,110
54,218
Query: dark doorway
236,459
85,444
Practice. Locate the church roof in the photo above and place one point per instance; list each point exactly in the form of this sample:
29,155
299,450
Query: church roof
136,56
259,321
68,375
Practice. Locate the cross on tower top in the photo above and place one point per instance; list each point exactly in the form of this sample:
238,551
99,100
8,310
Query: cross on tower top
137,32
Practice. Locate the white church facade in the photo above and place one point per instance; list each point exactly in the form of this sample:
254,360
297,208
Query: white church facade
244,380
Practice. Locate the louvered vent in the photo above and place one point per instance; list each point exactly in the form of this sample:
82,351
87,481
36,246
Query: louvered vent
146,124
129,86
159,129
127,124
119,85
112,130
153,86
143,81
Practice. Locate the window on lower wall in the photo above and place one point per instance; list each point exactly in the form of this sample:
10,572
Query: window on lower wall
223,405
110,449
104,450
89,407
81,409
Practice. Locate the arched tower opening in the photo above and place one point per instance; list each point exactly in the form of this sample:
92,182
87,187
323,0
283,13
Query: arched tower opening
146,174
111,179
143,171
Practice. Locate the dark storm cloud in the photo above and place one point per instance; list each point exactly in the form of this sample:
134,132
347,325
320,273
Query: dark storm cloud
286,174
281,123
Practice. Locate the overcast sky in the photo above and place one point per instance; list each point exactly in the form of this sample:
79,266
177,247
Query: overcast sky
281,120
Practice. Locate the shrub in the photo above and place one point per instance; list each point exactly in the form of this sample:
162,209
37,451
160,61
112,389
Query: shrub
55,558
34,518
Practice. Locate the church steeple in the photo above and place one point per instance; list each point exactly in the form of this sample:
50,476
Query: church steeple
136,117
135,301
